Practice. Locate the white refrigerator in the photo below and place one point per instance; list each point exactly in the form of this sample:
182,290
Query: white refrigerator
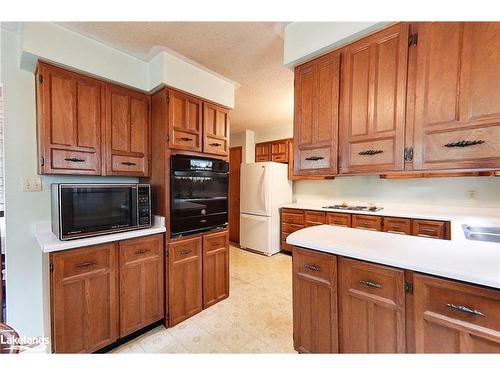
264,188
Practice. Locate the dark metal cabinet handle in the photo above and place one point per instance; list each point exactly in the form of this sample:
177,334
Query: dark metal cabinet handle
464,143
86,264
216,144
128,163
142,251
187,139
75,160
216,243
185,251
314,158
312,267
370,152
371,284
465,309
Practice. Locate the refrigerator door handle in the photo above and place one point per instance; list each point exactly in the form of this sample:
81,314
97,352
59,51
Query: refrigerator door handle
264,190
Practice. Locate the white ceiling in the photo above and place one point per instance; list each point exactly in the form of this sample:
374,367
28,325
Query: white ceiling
250,53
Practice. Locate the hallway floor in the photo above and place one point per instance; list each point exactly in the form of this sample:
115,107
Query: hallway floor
256,318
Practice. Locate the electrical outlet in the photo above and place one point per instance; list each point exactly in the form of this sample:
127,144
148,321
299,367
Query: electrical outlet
32,184
471,194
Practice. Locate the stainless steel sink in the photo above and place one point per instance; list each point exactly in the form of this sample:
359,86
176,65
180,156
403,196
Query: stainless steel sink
488,234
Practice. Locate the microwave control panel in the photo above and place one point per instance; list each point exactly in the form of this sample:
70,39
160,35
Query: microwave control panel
144,205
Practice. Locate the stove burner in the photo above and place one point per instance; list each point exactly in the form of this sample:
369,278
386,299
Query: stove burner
353,208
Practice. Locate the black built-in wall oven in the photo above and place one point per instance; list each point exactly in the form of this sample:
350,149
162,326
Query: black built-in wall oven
198,194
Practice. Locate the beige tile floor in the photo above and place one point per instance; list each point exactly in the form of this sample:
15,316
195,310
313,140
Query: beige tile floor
256,318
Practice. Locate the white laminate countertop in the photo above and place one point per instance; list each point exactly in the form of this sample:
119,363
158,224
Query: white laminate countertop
49,242
460,259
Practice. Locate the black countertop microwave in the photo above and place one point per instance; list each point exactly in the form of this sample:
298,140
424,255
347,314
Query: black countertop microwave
85,210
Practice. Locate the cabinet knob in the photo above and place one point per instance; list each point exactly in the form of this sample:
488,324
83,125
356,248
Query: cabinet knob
142,251
371,284
185,251
186,139
128,163
370,152
86,264
312,267
314,158
465,309
75,160
216,144
464,143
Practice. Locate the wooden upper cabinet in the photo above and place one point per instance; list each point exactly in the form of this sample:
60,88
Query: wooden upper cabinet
128,132
141,282
316,116
184,121
453,317
457,101
69,111
215,129
84,295
372,308
262,152
374,75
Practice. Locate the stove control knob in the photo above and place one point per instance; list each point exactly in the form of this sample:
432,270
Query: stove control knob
203,212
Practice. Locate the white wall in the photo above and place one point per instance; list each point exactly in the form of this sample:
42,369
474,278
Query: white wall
272,134
245,139
23,210
304,40
452,191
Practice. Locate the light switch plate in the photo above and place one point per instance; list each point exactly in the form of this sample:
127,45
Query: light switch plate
32,184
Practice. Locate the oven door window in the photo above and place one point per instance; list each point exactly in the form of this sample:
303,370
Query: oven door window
94,209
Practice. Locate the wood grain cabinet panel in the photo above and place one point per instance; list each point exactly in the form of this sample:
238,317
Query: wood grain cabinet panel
215,129
316,111
185,121
128,132
291,220
279,151
84,299
430,228
315,328
215,268
374,75
369,222
141,282
343,220
313,218
397,225
371,308
185,283
262,152
70,116
453,317
457,101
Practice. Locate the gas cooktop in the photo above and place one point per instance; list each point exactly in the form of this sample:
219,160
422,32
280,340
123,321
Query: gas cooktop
353,208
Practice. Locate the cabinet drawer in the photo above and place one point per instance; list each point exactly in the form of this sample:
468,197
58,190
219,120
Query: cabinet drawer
374,279
261,158
290,228
367,222
314,159
314,218
186,141
429,228
343,220
184,249
292,218
65,159
216,241
439,300
314,264
215,146
138,249
279,158
127,163
372,153
85,260
397,225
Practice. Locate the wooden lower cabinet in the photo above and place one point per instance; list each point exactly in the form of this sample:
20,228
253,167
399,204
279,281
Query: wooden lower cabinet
84,298
453,317
371,308
141,282
315,328
185,284
215,268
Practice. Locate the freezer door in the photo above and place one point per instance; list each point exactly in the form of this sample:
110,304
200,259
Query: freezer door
255,189
255,233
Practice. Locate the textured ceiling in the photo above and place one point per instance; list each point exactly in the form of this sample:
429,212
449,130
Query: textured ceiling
250,53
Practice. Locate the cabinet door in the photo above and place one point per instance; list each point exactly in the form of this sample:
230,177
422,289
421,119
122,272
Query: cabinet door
184,121
314,302
84,303
184,279
69,122
127,132
279,151
316,116
215,129
313,218
262,152
452,317
457,101
372,308
215,268
374,96
141,282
